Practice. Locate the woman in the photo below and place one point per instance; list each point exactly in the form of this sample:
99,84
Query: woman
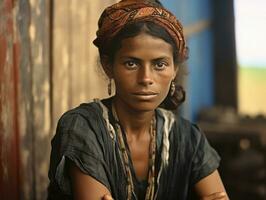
132,146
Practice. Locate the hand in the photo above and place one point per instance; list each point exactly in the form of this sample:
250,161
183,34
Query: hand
107,197
216,196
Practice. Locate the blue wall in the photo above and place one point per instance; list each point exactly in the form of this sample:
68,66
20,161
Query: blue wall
199,82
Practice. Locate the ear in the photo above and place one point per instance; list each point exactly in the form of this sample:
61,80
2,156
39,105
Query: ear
175,72
107,66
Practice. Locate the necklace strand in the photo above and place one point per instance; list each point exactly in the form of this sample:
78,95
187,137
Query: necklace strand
125,158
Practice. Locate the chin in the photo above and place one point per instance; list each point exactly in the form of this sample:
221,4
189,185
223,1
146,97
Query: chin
140,105
145,106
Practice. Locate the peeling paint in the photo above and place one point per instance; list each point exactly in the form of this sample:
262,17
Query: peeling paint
9,184
27,26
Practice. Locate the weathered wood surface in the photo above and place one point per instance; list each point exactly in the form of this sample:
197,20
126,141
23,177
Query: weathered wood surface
39,82
9,158
41,100
25,101
77,76
34,95
25,98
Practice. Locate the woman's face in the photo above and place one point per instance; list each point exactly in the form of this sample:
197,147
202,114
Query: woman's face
143,69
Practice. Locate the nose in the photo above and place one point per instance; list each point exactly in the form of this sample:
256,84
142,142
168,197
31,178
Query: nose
145,75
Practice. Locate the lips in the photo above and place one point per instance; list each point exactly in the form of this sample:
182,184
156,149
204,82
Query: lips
145,95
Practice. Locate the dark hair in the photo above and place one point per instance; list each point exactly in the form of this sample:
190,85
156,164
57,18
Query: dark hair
156,3
132,30
171,102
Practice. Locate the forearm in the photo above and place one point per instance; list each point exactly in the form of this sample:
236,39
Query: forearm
86,187
211,188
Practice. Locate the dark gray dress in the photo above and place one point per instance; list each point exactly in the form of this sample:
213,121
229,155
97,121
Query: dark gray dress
85,135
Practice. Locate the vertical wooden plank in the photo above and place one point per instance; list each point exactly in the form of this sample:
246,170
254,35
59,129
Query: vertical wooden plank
61,78
24,78
76,75
39,38
9,153
34,96
88,79
96,74
25,100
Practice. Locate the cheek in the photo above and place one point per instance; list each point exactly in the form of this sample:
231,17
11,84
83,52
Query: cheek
167,77
124,82
165,86
165,81
124,78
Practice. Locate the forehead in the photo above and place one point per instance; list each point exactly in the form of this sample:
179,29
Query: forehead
145,45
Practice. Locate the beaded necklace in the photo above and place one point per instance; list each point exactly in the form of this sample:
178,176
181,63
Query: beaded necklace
125,159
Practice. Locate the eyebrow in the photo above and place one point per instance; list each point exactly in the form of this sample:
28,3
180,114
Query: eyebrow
139,60
162,58
131,58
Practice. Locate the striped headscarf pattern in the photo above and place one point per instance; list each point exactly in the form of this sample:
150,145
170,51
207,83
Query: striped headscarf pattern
115,17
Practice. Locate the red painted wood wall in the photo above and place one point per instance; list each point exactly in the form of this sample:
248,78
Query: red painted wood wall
9,136
25,119
42,44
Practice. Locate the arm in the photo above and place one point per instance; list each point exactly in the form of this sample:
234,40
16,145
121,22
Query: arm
211,188
84,186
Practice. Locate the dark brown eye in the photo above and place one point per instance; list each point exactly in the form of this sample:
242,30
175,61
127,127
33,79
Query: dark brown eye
130,64
160,65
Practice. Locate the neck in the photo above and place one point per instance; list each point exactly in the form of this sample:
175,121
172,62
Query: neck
134,122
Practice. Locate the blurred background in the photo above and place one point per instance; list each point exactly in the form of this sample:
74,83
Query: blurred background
49,65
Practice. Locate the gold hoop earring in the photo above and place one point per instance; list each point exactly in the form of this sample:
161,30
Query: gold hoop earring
172,88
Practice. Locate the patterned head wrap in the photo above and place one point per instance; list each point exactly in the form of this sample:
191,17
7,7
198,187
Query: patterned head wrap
115,17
